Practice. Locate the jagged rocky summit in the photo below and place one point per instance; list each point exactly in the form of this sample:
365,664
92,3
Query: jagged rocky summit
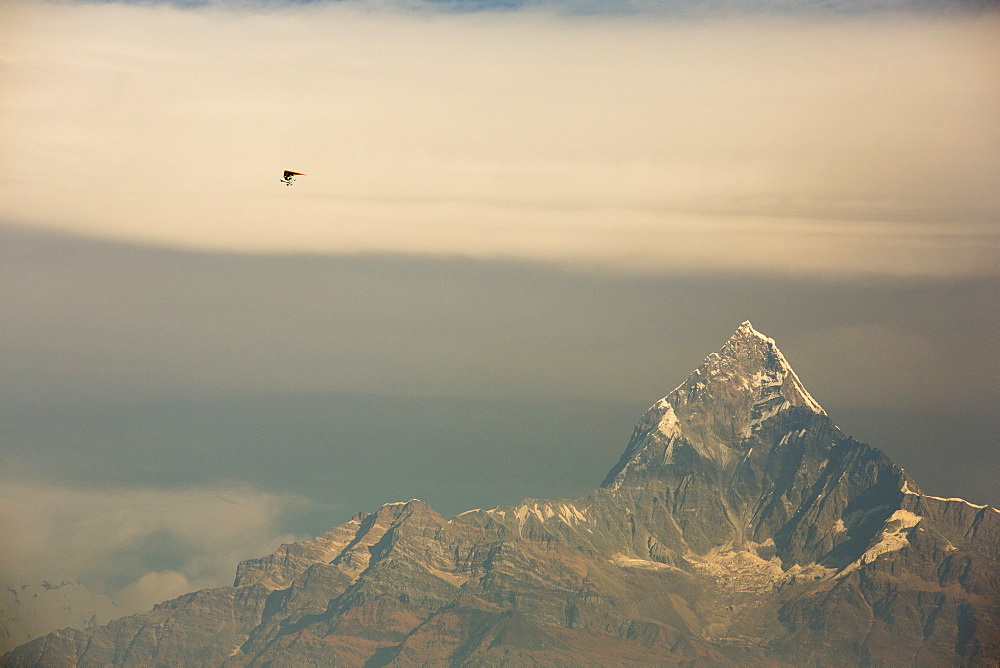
739,527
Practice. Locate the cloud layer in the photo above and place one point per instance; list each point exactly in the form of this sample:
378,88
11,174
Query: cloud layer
134,546
459,379
801,145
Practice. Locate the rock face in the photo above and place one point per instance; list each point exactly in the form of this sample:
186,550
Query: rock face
740,526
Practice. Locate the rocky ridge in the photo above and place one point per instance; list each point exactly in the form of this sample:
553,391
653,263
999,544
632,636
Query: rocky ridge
740,526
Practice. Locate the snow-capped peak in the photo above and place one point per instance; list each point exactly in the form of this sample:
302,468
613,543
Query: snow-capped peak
765,365
721,404
746,329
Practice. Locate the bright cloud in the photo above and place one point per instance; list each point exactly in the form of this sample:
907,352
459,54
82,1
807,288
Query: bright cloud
796,145
135,547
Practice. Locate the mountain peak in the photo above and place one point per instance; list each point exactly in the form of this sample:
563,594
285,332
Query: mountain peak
757,357
746,333
718,407
746,329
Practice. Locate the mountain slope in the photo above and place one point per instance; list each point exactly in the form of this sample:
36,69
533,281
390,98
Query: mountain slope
739,526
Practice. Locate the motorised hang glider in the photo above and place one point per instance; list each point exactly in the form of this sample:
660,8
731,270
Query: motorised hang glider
289,177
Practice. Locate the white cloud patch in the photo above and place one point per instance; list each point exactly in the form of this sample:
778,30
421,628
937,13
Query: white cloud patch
801,145
135,547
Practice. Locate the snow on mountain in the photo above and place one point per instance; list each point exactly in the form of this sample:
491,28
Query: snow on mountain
720,404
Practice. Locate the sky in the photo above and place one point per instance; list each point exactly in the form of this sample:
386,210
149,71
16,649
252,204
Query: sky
521,224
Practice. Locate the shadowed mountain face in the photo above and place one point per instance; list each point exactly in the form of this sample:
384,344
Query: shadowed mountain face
740,526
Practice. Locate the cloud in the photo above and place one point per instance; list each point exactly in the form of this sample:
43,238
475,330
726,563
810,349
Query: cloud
391,365
795,145
135,546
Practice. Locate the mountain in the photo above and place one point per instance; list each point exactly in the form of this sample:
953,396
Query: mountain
739,527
